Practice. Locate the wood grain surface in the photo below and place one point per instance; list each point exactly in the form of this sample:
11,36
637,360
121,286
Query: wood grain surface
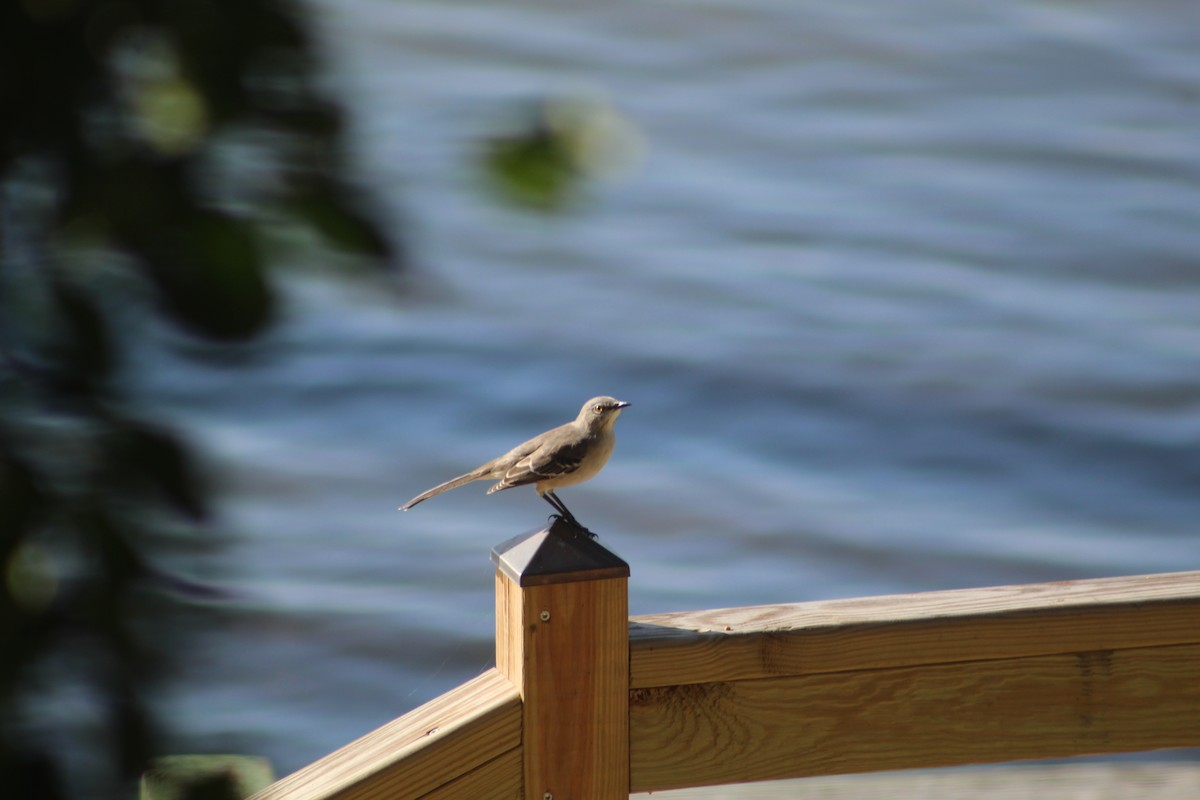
929,628
419,752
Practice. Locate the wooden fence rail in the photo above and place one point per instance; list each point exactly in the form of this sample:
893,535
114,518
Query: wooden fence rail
587,704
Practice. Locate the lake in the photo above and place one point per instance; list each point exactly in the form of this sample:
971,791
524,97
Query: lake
905,297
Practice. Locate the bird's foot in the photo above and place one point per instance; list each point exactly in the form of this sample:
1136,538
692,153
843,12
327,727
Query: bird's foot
574,523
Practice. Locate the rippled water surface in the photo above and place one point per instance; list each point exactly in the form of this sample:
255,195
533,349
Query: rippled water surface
905,297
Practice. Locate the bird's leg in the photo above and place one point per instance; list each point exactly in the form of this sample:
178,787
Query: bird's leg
557,505
564,512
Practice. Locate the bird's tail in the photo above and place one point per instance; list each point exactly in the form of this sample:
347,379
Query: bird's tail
453,483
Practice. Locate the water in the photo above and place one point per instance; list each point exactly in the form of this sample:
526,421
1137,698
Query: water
904,297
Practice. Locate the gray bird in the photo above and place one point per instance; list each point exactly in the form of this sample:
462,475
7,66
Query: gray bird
564,456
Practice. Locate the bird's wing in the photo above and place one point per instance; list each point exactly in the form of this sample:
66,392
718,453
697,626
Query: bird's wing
547,461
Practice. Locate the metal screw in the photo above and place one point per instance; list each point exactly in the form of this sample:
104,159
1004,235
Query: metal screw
547,795
545,617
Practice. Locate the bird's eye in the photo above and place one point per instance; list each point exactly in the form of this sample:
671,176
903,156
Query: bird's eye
598,409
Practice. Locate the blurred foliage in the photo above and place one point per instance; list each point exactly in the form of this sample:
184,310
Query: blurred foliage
213,777
150,153
553,150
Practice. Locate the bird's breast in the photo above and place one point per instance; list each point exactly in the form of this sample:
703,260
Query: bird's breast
595,460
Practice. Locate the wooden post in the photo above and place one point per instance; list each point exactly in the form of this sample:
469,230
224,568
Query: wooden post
562,638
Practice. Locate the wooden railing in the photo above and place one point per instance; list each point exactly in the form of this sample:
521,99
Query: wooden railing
586,704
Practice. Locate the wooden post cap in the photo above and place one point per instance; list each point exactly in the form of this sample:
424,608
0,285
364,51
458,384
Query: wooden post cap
558,553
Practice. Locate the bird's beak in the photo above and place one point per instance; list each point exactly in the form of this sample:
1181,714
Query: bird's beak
621,404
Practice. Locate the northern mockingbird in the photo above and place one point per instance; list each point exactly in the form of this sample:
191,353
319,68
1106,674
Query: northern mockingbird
564,456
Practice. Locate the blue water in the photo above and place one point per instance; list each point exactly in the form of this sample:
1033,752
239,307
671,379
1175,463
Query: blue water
905,297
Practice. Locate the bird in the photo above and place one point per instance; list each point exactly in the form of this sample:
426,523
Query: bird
563,456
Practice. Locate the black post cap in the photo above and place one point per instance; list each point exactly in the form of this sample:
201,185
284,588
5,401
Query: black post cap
558,553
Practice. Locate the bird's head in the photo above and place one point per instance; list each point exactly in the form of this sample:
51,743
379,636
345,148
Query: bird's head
601,412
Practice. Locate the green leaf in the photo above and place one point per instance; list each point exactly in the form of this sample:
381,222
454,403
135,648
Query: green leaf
331,212
161,460
211,279
84,346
